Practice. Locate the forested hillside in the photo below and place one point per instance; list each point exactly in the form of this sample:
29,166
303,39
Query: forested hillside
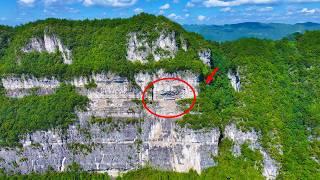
97,46
279,97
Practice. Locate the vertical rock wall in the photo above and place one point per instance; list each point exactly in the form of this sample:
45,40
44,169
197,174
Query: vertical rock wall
50,44
116,146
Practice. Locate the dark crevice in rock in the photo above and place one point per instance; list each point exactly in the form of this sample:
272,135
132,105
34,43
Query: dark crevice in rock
220,137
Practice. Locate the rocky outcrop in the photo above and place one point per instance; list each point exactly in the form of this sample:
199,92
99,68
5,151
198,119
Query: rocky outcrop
160,143
50,44
184,44
113,97
133,138
122,144
166,93
205,56
139,48
270,166
19,87
165,46
234,78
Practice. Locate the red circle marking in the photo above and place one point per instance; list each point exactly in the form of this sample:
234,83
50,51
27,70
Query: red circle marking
169,116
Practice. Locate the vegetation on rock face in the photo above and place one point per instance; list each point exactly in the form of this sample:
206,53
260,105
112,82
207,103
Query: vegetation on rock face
21,116
229,167
279,97
280,94
74,171
5,35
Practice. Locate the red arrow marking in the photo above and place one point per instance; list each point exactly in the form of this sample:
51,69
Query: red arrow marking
210,78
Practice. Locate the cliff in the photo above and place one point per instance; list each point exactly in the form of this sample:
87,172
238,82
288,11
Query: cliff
133,138
71,91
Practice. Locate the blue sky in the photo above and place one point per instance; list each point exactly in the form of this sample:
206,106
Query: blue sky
15,12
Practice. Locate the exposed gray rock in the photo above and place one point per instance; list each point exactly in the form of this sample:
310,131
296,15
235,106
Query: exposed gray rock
114,96
139,49
35,44
118,146
121,146
166,93
184,44
270,166
165,46
25,85
234,78
50,44
205,56
161,144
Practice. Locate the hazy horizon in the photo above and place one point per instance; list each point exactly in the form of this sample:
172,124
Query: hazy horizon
304,22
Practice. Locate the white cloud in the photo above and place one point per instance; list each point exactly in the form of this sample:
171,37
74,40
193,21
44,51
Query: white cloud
189,4
307,11
289,13
161,12
50,2
222,3
27,2
304,1
113,3
165,6
201,18
265,9
72,10
226,9
138,10
174,16
187,15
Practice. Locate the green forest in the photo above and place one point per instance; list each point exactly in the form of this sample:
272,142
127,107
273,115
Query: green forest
280,95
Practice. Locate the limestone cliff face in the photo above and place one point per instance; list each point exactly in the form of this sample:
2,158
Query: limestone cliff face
25,85
164,47
139,49
166,93
205,56
234,78
121,145
118,146
134,137
50,44
270,166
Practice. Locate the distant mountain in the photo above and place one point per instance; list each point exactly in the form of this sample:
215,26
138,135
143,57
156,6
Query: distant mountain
250,29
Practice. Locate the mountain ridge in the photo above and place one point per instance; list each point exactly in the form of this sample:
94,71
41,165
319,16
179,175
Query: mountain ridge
258,119
229,32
